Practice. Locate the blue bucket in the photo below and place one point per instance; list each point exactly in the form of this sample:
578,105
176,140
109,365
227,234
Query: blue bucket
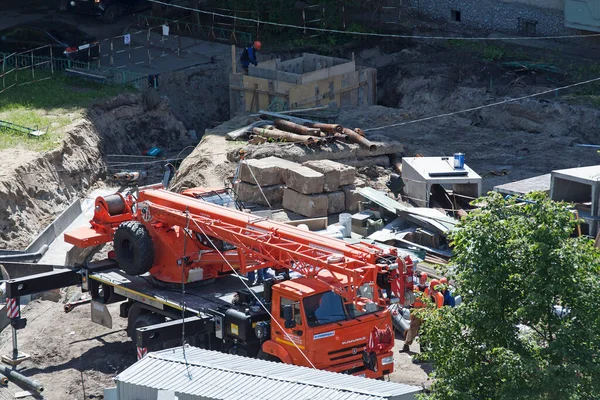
459,160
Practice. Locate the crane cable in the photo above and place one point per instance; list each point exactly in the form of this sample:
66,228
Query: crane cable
254,294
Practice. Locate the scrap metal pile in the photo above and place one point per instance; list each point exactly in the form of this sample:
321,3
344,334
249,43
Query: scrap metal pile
288,129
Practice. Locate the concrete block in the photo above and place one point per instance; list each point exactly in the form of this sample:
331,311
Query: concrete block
352,197
336,174
268,171
336,202
251,193
308,205
305,180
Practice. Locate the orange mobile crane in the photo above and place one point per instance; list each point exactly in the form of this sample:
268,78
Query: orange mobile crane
333,315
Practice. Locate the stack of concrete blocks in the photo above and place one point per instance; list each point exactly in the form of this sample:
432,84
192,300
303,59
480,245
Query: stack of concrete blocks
313,189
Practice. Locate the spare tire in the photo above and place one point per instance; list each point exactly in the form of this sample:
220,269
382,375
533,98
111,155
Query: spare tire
134,249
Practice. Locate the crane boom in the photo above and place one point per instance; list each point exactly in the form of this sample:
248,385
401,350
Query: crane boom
274,244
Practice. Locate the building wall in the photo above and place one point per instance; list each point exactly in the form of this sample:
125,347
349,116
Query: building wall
547,4
498,15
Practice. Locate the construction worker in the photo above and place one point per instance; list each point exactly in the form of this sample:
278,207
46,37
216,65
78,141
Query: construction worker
260,274
415,322
249,55
435,294
448,298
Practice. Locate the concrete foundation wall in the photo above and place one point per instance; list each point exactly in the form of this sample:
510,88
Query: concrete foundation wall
498,15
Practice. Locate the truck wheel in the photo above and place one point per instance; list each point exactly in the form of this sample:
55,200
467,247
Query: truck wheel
134,249
142,320
267,357
111,14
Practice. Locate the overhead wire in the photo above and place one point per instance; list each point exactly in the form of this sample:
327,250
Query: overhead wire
497,103
373,34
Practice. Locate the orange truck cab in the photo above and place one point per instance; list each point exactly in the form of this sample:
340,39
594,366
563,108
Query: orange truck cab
314,326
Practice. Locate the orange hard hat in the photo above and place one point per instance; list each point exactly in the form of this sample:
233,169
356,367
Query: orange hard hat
443,281
257,45
424,275
434,283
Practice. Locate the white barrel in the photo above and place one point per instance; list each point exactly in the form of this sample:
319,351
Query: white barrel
346,221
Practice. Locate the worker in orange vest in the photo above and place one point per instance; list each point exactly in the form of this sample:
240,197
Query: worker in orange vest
434,292
415,323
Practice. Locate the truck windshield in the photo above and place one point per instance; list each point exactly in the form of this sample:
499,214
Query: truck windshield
325,308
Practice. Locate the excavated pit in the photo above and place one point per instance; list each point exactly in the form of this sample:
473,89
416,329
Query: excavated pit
34,192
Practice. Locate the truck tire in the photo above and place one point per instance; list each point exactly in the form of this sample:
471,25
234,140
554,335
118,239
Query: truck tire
267,357
134,249
142,320
111,14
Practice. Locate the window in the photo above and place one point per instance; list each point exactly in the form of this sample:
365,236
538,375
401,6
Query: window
324,308
455,15
527,27
295,309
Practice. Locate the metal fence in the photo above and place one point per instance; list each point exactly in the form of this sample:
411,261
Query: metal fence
186,27
24,68
20,69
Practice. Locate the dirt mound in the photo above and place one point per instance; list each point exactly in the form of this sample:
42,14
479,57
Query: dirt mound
199,96
208,165
38,187
38,190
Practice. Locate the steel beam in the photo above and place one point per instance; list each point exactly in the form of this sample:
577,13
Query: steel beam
16,288
150,336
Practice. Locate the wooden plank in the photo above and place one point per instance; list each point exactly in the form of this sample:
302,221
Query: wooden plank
233,60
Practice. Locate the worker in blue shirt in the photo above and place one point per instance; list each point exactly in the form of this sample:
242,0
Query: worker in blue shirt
249,55
448,298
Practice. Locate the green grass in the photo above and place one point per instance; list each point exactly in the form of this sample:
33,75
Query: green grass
50,104
489,52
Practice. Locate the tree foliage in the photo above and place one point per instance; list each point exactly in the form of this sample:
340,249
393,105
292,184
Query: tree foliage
514,263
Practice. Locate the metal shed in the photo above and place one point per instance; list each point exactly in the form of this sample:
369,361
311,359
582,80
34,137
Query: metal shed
214,375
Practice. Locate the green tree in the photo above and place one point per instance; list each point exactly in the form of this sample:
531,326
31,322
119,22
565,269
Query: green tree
514,263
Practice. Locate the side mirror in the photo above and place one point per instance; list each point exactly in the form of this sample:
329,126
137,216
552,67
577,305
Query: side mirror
288,315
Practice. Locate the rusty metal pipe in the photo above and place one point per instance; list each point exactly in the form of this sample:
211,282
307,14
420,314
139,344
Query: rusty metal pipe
340,137
362,141
289,126
3,380
327,128
23,380
130,176
285,136
71,305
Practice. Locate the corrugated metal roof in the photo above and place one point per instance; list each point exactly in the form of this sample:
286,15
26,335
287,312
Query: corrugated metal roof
215,375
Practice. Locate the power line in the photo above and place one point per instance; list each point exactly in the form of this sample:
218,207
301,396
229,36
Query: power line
511,100
354,33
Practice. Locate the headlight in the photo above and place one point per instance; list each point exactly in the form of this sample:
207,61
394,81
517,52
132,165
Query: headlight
387,360
261,330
